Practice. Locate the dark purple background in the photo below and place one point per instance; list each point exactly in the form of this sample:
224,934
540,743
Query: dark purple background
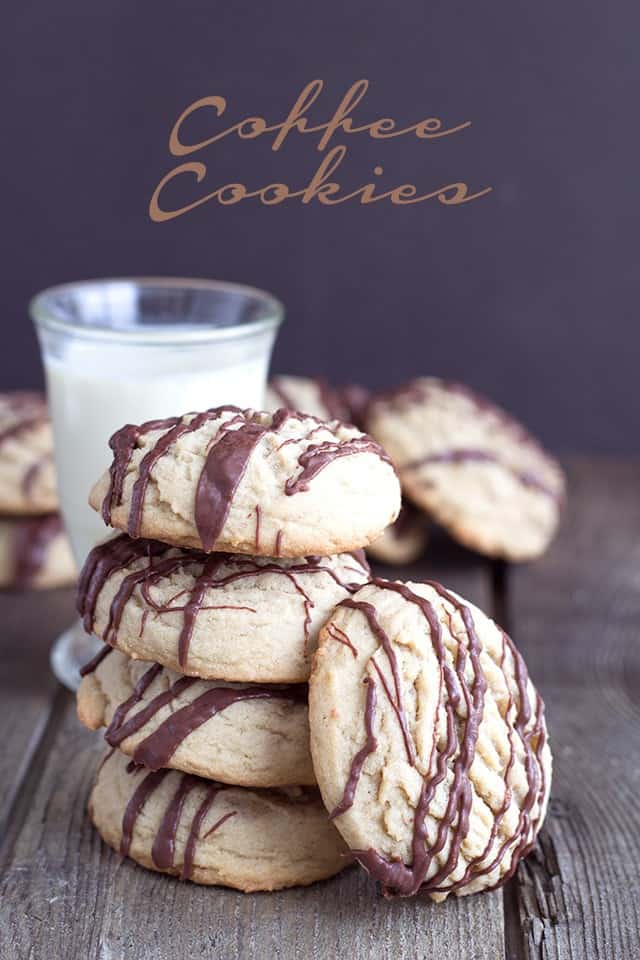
529,294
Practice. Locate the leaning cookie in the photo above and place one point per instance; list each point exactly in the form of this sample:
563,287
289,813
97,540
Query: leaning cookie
404,541
280,484
471,466
27,472
310,395
214,834
249,735
215,616
428,740
35,553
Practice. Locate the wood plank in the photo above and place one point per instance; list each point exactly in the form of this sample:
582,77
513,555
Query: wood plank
30,623
66,894
575,615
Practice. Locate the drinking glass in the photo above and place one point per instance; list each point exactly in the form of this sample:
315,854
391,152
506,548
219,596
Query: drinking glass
126,350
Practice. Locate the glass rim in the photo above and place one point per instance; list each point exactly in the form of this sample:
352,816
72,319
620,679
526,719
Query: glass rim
41,312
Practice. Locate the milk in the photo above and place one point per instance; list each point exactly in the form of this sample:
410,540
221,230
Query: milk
96,387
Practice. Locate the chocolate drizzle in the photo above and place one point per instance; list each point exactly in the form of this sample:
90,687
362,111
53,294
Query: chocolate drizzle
33,472
95,662
337,634
455,756
224,468
421,391
164,845
524,477
334,406
369,747
33,537
225,463
116,555
157,749
27,410
316,457
138,799
395,697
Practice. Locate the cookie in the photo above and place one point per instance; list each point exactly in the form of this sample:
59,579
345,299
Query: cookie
35,553
471,466
313,396
214,834
428,740
278,484
248,735
27,471
404,541
215,616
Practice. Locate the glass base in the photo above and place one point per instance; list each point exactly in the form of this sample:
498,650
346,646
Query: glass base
72,650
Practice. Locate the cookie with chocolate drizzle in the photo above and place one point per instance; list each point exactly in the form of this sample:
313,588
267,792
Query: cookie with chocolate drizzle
216,616
312,395
282,484
35,553
428,740
471,466
212,833
27,471
252,735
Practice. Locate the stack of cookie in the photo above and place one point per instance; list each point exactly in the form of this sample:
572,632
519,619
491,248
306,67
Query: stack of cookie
34,550
240,533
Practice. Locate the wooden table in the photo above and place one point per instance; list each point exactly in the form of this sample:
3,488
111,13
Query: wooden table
575,615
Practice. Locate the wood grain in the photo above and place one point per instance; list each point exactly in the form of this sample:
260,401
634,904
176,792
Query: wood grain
576,617
64,894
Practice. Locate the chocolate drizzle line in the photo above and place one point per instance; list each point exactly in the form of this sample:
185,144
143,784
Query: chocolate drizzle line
369,747
29,409
316,457
194,831
95,662
116,555
330,399
524,477
157,749
33,472
397,877
225,463
140,796
224,468
395,698
33,537
337,634
417,392
164,844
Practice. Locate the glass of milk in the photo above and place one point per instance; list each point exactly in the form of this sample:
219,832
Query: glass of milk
128,350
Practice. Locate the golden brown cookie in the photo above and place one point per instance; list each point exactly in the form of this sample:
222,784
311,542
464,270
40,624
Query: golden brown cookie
280,484
27,471
217,616
251,735
428,740
35,553
214,834
471,466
